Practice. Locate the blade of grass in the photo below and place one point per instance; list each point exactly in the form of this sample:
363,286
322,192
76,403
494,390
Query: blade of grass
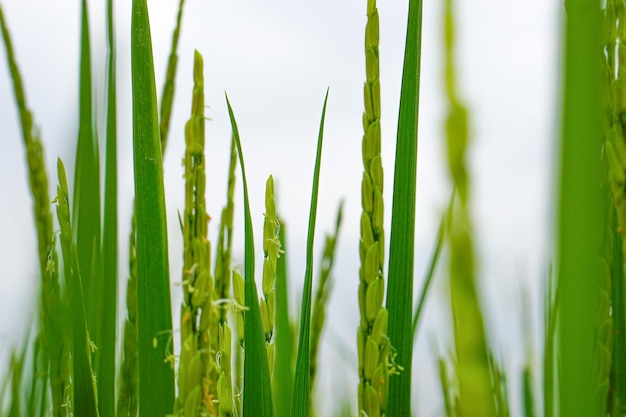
300,399
282,379
84,384
154,316
579,207
86,210
108,316
402,240
257,394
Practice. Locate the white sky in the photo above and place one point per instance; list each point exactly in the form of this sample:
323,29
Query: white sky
276,59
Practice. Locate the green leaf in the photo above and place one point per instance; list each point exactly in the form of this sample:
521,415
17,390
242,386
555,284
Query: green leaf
84,384
257,391
154,316
108,319
402,241
86,210
580,214
300,400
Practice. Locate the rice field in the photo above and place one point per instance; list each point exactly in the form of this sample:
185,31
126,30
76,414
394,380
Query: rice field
154,261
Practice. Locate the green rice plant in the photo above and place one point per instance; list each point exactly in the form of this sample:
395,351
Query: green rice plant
472,354
85,400
195,388
154,320
271,253
302,382
108,329
399,300
55,349
372,341
584,303
257,394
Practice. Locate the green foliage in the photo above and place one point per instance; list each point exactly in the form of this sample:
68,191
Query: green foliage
257,394
154,316
67,366
302,382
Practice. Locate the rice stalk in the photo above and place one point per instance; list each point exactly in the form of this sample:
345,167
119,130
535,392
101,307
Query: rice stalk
372,341
472,354
320,301
196,390
271,253
167,96
51,307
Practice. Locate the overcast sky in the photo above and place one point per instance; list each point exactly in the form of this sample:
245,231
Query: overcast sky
275,59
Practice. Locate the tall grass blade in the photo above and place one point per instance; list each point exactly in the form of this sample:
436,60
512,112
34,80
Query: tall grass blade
154,316
579,208
257,394
86,197
84,384
108,317
402,240
54,344
282,379
300,399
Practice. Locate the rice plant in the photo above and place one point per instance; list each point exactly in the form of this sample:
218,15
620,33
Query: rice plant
241,346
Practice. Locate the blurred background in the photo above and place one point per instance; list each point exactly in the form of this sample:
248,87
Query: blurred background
275,60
